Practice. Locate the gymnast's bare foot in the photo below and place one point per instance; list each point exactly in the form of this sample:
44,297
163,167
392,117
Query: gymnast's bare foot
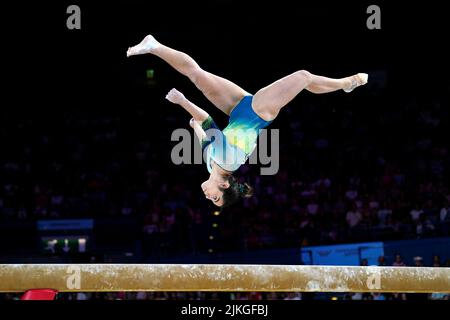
356,81
146,46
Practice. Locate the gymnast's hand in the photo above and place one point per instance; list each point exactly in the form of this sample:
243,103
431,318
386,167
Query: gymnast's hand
175,96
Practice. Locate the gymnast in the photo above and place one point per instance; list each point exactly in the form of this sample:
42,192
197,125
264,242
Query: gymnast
247,113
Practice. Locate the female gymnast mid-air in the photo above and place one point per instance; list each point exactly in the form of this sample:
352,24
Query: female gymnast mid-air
247,113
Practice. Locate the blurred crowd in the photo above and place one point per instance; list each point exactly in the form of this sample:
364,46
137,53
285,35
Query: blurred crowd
239,296
359,168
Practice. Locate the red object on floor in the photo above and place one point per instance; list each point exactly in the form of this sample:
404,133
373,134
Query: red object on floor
39,294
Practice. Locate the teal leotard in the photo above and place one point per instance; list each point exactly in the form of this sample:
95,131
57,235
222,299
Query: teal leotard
231,147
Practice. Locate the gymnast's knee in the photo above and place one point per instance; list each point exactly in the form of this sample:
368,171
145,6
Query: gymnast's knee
305,76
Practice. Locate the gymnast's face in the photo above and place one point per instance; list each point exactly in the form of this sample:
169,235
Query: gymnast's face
213,190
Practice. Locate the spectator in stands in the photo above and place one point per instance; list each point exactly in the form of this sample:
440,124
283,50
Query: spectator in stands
436,261
444,214
353,217
398,261
418,261
293,296
382,261
416,212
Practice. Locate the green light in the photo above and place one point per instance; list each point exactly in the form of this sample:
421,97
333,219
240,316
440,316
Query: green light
150,73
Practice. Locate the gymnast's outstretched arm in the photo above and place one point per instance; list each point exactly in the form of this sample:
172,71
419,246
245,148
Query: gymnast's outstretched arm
198,114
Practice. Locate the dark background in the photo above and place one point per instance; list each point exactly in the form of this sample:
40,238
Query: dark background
252,44
52,74
49,69
64,91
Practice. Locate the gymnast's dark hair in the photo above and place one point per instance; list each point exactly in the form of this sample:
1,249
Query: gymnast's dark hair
235,192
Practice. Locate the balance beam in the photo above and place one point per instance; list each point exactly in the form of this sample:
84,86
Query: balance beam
214,277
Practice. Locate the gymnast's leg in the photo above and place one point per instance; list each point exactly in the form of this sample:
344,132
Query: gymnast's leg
268,101
223,93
